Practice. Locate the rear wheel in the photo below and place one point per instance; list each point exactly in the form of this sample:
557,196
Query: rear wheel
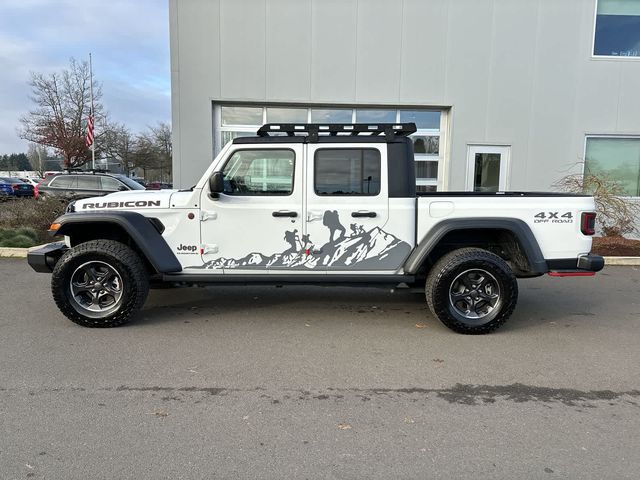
471,291
100,283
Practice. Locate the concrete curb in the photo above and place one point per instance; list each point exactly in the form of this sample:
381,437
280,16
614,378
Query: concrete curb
622,260
9,252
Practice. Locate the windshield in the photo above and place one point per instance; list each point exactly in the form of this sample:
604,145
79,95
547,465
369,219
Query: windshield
132,184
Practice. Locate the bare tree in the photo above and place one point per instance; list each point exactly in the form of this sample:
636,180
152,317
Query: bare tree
154,151
118,143
617,213
37,155
161,135
62,105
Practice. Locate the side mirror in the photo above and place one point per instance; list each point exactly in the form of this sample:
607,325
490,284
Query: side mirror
122,188
216,184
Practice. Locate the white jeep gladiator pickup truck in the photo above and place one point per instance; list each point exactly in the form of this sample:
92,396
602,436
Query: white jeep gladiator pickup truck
316,204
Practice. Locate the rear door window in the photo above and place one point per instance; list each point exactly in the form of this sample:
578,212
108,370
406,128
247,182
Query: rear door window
347,171
88,182
64,181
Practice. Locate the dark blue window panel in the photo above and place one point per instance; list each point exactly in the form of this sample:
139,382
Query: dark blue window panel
617,35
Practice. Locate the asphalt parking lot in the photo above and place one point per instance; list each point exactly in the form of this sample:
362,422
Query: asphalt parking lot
301,382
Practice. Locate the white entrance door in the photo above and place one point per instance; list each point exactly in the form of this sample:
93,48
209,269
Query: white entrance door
488,168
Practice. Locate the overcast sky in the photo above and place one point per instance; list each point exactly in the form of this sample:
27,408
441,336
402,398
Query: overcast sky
129,41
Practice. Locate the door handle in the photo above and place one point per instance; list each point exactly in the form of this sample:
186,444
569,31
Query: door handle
283,213
363,214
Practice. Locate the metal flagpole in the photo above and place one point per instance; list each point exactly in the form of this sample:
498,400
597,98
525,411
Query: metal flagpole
93,143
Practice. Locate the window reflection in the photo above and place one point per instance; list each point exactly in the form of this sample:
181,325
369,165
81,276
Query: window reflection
616,158
370,115
426,170
617,28
319,115
487,172
286,115
241,116
426,144
429,119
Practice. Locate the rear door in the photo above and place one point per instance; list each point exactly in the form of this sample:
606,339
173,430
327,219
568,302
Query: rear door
347,208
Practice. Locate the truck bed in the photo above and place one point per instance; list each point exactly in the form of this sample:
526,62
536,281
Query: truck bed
545,217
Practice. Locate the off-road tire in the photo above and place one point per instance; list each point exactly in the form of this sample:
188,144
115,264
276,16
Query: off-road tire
443,278
120,257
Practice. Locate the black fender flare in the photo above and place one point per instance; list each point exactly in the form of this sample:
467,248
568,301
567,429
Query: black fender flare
516,226
143,233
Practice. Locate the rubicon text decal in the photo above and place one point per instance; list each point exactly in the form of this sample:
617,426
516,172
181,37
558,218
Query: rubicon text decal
130,203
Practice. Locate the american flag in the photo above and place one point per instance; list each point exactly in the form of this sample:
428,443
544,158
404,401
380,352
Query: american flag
88,141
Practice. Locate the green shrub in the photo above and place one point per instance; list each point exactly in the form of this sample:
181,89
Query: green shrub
19,241
28,232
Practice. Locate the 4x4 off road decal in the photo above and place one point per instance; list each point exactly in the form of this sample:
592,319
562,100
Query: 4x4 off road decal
553,217
374,249
129,204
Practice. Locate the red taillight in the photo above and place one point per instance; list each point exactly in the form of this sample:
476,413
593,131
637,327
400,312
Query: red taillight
35,190
588,223
15,186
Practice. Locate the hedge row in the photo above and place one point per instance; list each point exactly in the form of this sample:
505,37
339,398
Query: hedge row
24,222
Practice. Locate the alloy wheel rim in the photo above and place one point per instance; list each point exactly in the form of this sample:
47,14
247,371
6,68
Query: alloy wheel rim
474,294
96,289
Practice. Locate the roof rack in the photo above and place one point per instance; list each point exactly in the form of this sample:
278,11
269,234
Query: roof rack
313,130
89,170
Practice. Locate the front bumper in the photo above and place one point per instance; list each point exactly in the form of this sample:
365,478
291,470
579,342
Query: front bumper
44,258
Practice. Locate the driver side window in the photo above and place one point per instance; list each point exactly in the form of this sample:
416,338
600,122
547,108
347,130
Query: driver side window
259,172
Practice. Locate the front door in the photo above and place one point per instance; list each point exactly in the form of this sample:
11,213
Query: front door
255,225
488,168
347,208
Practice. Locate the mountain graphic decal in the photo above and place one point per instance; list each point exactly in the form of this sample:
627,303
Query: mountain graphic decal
363,250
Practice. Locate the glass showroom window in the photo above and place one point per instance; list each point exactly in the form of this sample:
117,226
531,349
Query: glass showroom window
237,121
426,146
616,158
617,32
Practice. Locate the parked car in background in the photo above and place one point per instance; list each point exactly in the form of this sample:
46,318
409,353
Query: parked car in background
85,184
6,190
31,181
18,187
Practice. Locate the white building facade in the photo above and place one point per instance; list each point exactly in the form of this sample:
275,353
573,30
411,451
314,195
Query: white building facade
506,94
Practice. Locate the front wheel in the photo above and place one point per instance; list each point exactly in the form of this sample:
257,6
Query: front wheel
100,283
471,291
